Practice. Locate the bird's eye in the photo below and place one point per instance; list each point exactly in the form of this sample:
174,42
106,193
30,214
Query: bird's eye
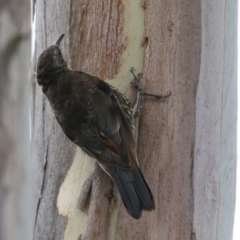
57,52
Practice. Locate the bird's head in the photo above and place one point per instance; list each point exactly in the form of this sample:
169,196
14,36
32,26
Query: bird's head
50,61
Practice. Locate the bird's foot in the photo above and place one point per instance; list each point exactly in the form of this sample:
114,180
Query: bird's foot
136,82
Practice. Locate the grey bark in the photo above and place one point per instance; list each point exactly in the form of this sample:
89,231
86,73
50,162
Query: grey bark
15,162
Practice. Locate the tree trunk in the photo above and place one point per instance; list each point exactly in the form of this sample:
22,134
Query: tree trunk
187,142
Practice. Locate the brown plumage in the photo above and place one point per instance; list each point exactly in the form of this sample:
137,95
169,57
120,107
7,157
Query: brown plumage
98,118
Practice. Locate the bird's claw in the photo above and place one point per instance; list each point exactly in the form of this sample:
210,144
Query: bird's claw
136,82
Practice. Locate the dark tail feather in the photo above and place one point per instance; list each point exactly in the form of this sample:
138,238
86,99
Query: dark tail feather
143,191
134,190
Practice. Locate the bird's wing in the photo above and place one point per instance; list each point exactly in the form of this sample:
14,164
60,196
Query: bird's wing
110,131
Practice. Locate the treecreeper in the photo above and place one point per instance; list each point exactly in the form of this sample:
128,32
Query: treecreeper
99,119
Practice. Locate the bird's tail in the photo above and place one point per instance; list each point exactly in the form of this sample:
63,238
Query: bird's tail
134,190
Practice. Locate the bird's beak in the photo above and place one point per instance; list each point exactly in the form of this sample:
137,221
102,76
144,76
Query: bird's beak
60,39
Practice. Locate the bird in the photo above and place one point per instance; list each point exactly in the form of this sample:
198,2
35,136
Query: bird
99,119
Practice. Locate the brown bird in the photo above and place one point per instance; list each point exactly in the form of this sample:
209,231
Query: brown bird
98,118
